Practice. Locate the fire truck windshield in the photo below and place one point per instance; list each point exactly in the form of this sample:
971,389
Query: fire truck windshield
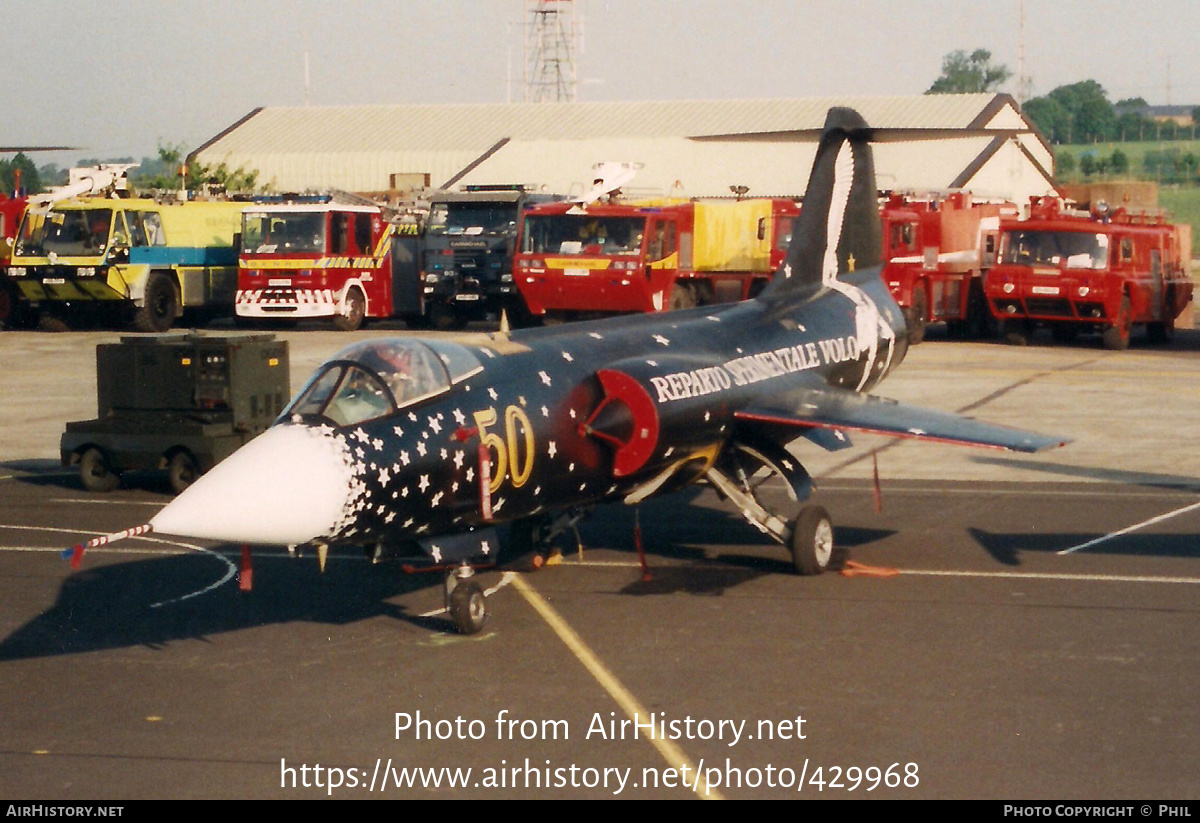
1069,249
67,233
376,378
268,232
582,234
471,218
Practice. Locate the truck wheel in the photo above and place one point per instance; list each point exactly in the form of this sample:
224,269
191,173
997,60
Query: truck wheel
682,297
96,473
355,311
160,305
182,471
1116,336
51,323
916,317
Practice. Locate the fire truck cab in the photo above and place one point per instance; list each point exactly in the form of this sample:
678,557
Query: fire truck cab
609,258
309,257
935,250
1102,271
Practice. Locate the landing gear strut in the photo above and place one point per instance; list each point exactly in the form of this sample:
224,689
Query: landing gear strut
465,600
809,536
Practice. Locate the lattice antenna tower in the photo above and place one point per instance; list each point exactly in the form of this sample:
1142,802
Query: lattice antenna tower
552,33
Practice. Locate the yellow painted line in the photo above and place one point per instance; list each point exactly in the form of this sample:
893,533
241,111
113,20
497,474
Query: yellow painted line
625,699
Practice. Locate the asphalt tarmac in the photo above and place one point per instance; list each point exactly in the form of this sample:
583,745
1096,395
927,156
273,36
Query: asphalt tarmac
1006,627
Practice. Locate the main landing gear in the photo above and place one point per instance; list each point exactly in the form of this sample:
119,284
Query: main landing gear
465,600
809,536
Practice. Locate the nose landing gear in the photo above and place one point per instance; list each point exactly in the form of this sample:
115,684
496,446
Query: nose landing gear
465,600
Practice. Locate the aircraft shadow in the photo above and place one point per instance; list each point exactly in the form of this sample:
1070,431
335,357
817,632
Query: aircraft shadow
109,607
718,548
1007,548
1149,479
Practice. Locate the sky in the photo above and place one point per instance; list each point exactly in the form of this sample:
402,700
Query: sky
122,78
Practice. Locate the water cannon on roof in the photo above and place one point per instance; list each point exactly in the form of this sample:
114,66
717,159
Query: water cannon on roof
610,176
105,179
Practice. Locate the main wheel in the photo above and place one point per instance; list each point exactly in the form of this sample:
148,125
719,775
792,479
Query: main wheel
682,297
468,607
812,541
354,312
160,304
1116,336
917,316
182,471
96,472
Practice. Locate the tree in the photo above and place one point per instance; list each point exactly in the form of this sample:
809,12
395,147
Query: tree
164,173
30,179
1064,163
1078,113
964,73
1119,163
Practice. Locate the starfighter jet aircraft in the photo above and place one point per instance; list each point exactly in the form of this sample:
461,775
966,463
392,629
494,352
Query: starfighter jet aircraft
421,443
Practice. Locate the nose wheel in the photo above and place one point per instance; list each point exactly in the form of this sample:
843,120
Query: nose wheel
465,600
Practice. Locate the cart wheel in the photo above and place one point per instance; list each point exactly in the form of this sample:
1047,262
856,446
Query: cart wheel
96,473
182,471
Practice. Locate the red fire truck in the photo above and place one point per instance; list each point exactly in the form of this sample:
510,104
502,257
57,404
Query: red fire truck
310,257
1101,271
603,258
11,210
936,249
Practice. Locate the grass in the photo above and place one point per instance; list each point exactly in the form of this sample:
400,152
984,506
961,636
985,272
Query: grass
1181,201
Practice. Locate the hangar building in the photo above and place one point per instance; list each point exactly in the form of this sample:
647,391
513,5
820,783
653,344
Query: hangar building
691,148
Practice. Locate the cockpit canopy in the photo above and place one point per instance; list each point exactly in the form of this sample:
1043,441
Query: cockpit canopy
376,378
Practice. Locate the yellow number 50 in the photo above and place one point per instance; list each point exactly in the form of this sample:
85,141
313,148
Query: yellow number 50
514,450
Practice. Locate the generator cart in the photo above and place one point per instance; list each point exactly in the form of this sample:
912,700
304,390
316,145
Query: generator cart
181,402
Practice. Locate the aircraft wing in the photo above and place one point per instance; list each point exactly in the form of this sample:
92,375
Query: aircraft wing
833,408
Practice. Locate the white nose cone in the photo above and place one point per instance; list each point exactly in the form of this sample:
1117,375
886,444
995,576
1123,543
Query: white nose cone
289,485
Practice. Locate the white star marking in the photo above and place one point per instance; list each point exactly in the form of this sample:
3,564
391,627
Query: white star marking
567,356
377,444
436,553
658,338
552,448
492,393
404,458
384,476
485,548
459,417
435,425
545,412
545,377
420,448
424,484
437,498
470,473
458,459
360,436
596,335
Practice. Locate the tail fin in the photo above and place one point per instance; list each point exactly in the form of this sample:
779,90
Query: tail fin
838,229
